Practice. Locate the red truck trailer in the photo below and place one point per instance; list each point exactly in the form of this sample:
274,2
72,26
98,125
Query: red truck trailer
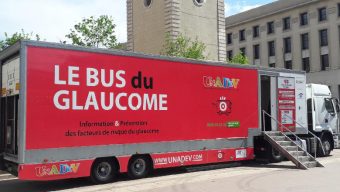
69,112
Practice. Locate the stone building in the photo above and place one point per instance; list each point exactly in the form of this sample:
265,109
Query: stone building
150,20
292,34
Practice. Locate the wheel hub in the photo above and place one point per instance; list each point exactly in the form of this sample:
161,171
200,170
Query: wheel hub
104,169
139,166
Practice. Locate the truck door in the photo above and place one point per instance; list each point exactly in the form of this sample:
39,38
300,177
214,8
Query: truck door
336,135
9,106
269,102
337,110
326,117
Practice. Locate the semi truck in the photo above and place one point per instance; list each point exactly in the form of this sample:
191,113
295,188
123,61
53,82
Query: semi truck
69,112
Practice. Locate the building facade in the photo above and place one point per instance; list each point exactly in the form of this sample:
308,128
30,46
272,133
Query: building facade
291,34
150,20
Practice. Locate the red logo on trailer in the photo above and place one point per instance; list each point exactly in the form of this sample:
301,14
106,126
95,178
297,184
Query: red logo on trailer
223,106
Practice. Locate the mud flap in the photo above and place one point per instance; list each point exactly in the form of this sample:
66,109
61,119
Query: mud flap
2,163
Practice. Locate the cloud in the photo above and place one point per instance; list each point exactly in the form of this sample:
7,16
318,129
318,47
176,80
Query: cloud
238,7
52,19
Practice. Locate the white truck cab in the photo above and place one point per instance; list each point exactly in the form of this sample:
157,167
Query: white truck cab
323,116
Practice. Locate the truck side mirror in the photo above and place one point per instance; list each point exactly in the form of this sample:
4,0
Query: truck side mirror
337,105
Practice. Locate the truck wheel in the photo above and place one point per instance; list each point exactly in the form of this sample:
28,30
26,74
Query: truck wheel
273,155
103,171
139,167
276,156
327,146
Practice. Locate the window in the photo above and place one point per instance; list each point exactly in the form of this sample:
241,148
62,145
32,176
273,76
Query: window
199,2
147,3
287,45
306,64
304,41
323,37
256,31
271,48
337,105
286,23
304,19
242,35
324,62
339,16
288,64
243,51
229,38
270,27
329,105
339,34
257,51
230,55
272,65
323,14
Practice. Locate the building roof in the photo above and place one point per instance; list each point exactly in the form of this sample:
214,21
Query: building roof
265,10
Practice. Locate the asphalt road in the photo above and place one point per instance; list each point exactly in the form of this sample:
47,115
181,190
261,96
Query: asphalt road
235,177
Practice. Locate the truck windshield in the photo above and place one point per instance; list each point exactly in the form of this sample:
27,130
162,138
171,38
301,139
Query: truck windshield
329,105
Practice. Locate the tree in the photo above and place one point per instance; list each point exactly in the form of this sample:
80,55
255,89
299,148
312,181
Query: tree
94,32
239,59
10,40
182,46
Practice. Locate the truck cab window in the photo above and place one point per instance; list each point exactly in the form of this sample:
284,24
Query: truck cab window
329,106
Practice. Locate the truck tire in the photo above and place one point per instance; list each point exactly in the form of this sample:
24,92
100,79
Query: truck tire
327,145
276,156
139,167
273,155
103,171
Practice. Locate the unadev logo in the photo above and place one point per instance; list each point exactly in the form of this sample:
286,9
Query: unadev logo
60,169
220,82
223,106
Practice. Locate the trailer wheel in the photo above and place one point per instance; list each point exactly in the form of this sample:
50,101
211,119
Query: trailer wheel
276,156
327,146
103,171
139,167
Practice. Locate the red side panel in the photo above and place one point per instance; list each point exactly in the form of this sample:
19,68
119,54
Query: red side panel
183,102
123,163
201,157
75,169
55,171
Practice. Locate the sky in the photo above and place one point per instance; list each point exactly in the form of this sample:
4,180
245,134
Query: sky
53,19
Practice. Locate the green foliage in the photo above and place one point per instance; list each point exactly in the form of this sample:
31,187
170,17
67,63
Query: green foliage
121,46
94,32
183,46
10,40
239,59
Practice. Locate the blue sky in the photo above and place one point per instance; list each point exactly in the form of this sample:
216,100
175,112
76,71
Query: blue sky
52,19
236,6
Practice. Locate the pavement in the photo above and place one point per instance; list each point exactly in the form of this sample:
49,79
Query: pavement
236,177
